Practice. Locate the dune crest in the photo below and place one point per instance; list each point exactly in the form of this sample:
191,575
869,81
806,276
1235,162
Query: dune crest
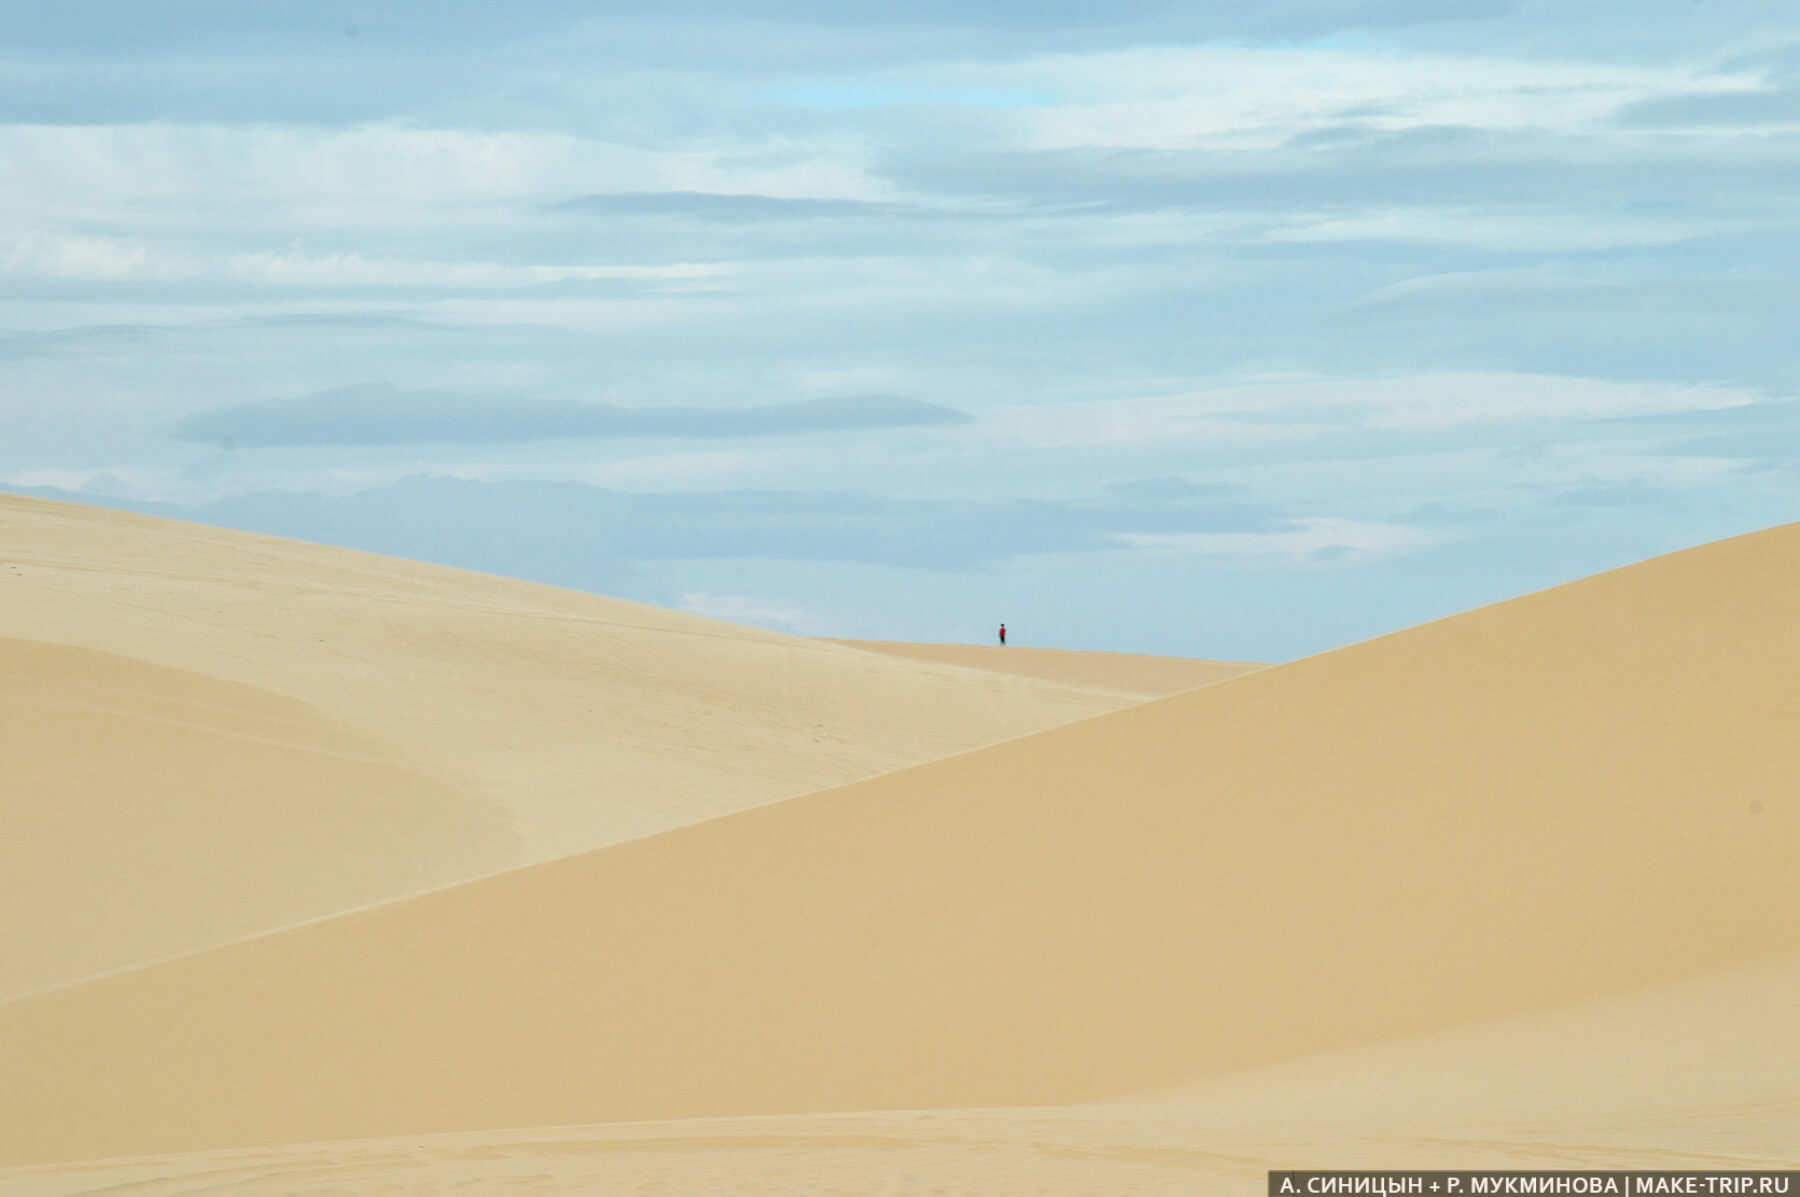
1572,794
1133,673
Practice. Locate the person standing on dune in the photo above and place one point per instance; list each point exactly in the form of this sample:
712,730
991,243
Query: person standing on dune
1002,635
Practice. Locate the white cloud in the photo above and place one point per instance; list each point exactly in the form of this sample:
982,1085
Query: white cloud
1449,400
1249,97
386,177
64,257
1191,419
1311,538
1505,230
1293,412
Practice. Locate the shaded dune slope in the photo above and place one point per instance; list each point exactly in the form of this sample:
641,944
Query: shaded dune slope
1578,792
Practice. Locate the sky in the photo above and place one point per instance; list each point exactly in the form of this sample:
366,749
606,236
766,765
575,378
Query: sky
1214,329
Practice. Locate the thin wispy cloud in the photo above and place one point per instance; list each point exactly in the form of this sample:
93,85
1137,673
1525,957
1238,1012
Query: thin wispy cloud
731,209
381,414
497,526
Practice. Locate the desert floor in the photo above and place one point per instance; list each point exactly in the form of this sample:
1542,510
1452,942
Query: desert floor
327,872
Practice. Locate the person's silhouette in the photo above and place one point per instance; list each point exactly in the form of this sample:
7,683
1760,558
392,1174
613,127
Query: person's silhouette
1002,635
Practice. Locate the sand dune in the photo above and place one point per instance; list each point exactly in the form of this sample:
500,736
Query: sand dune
591,718
151,811
1565,796
1135,674
209,734
1695,1074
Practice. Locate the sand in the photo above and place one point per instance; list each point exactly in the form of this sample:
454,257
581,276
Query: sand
1134,675
209,734
150,810
1692,1075
1563,822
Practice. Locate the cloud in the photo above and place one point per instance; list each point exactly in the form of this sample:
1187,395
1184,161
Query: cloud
1295,415
1759,108
211,28
380,414
565,533
1634,492
730,208
546,61
1168,489
89,339
776,200
855,95
1491,292
1319,539
1763,431
1564,171
65,258
355,320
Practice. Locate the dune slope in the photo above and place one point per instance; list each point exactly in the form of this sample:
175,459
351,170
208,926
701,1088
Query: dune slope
592,719
1695,1074
1134,673
1575,793
218,733
126,783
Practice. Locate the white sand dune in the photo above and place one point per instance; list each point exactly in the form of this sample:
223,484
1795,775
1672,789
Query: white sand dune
209,734
1577,794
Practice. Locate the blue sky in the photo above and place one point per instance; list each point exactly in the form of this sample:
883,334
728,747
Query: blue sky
1217,329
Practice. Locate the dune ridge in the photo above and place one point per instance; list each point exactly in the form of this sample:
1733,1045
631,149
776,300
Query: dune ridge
1136,674
1545,801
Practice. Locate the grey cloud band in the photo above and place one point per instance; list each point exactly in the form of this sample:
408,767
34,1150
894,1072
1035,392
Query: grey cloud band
383,415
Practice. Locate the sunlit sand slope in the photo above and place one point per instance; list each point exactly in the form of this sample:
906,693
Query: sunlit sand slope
1697,1074
1570,794
1136,674
150,811
591,718
217,733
